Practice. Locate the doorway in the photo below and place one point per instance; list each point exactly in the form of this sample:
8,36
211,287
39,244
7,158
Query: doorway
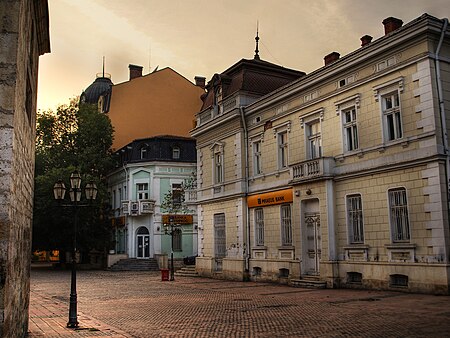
143,243
312,238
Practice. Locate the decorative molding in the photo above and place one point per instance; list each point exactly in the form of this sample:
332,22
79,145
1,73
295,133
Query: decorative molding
286,125
356,101
399,82
319,112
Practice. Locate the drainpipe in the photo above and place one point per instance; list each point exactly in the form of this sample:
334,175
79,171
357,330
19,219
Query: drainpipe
442,112
245,207
126,217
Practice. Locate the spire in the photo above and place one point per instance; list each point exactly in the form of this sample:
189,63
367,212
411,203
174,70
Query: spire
256,57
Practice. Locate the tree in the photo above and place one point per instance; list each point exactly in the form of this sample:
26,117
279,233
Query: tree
72,138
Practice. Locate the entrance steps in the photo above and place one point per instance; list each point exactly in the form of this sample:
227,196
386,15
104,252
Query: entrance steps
134,264
187,271
309,282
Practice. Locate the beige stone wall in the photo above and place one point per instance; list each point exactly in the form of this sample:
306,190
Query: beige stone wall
18,88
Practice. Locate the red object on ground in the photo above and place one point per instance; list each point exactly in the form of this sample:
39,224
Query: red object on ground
164,274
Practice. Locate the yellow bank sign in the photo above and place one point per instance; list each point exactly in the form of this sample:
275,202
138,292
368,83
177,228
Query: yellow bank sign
270,198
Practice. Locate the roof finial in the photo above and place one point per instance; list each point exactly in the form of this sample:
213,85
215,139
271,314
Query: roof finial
256,57
103,72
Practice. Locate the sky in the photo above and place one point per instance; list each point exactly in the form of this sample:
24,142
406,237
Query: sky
204,37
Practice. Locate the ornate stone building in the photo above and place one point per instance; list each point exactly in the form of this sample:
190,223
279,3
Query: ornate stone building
24,35
340,178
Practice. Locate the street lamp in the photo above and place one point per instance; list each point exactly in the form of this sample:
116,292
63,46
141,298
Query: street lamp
59,191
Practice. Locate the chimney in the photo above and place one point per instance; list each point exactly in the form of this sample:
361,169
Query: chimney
135,71
330,58
200,81
365,40
391,24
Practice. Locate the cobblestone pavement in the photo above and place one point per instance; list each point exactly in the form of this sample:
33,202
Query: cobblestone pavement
139,304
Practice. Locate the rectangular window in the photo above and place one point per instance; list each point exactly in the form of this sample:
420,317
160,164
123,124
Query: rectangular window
177,240
286,225
282,150
350,129
314,140
219,236
355,219
142,191
218,173
259,226
390,105
399,220
177,195
143,153
175,153
257,169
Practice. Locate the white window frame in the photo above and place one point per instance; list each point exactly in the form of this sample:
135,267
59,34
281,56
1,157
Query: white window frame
283,149
217,163
176,152
143,153
381,92
142,191
399,219
177,190
314,141
355,218
257,157
392,117
259,226
286,225
350,128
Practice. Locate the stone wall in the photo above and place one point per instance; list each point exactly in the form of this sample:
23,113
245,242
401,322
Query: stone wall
19,54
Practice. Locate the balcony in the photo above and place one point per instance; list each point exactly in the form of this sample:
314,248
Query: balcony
138,208
190,196
311,170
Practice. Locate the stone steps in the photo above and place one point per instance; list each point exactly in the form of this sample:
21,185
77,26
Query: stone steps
187,271
309,282
133,264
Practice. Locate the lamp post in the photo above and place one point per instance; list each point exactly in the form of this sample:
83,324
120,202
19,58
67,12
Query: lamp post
59,191
170,229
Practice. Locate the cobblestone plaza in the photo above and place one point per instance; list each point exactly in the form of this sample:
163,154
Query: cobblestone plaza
139,304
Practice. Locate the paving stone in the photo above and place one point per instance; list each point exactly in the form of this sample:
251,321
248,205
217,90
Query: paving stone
139,304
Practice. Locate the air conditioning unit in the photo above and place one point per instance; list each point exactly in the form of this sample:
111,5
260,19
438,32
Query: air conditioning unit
134,208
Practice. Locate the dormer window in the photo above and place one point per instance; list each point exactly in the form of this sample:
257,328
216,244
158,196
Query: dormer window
176,153
143,153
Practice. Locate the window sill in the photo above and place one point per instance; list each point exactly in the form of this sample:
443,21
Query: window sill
400,245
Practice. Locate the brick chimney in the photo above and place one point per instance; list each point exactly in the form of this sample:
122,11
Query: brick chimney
391,24
330,58
200,81
135,71
365,40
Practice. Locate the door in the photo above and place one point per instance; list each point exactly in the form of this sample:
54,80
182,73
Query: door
143,243
311,238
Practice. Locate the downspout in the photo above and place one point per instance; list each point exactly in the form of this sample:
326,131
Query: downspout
245,208
442,113
126,216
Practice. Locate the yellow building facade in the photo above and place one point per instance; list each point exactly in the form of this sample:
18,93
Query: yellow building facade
339,179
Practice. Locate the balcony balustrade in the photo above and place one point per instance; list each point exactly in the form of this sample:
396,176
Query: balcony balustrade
318,168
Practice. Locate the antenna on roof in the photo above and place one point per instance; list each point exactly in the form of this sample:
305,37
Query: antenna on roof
256,57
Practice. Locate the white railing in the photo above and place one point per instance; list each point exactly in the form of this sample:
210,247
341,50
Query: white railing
137,208
312,169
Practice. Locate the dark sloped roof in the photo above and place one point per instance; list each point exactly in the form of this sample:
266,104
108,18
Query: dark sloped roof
253,76
92,93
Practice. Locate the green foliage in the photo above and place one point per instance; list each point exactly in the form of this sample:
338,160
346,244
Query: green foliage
72,138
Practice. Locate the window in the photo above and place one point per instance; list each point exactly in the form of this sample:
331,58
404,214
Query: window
286,225
257,169
218,170
177,240
143,153
350,129
314,140
177,195
355,219
219,236
398,210
282,150
392,124
259,226
176,153
142,191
